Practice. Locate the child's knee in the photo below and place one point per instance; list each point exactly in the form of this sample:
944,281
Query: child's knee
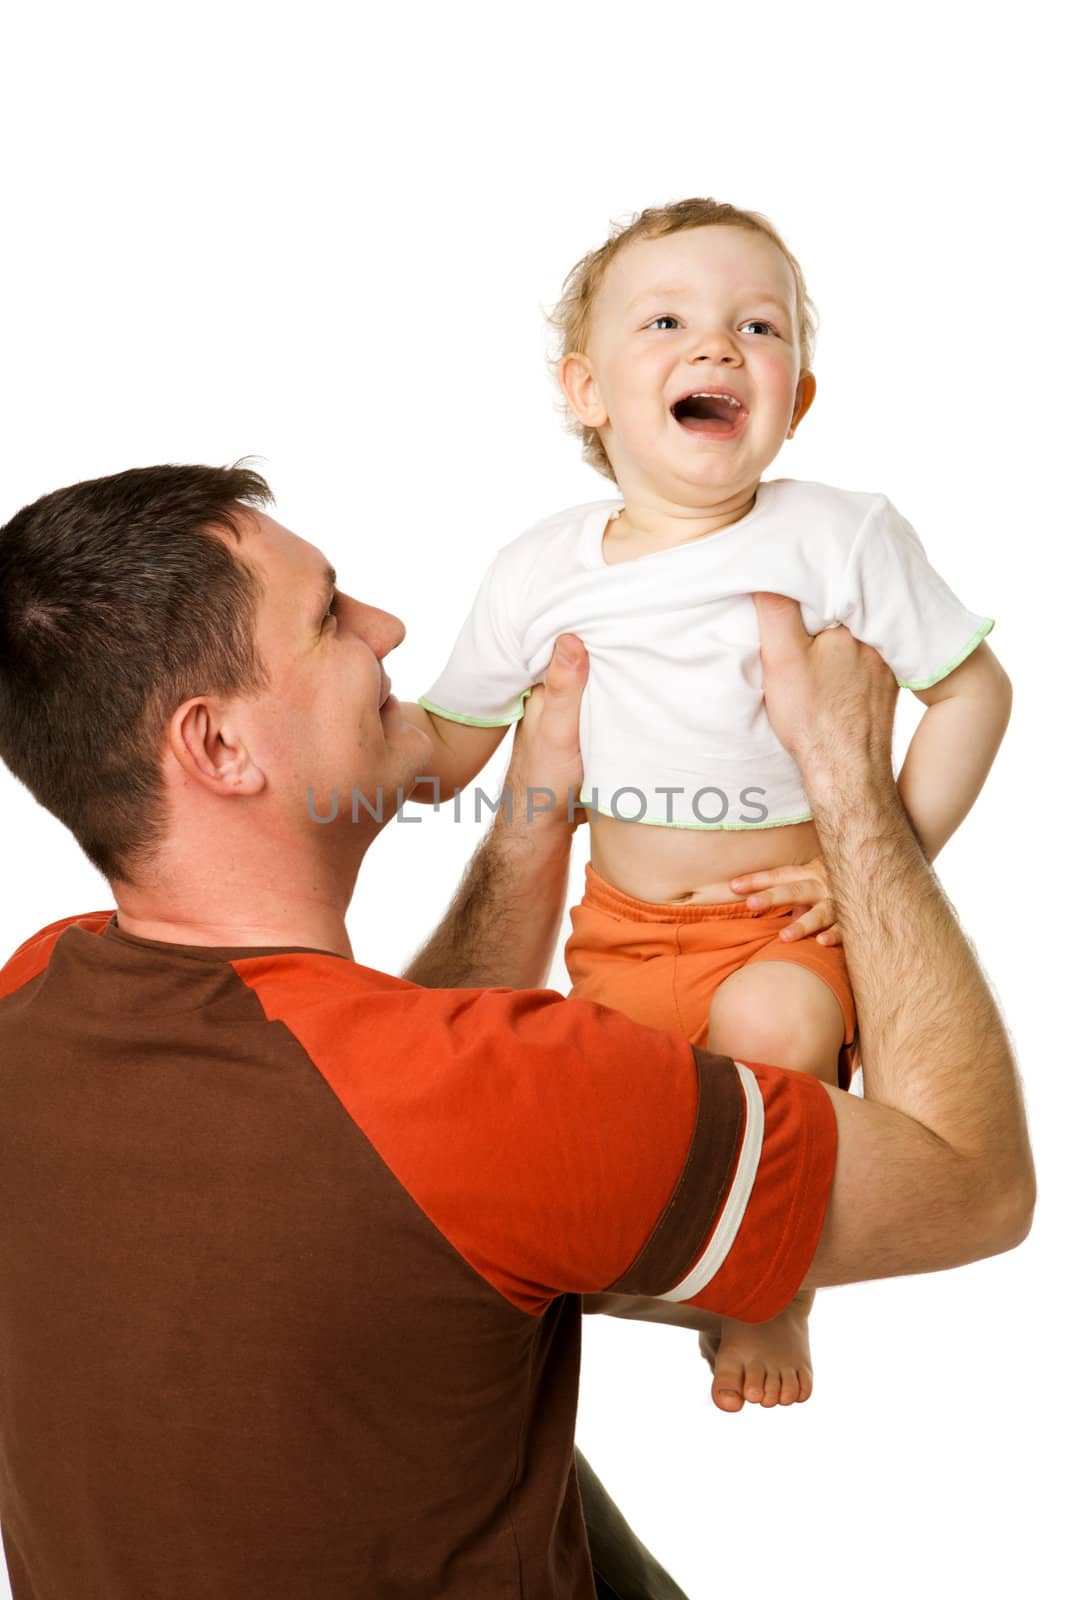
786,1017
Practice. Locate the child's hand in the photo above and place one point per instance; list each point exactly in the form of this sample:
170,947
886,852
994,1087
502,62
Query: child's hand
807,885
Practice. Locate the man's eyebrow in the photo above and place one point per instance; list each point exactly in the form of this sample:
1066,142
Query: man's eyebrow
326,588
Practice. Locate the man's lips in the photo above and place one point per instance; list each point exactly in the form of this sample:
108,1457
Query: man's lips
387,690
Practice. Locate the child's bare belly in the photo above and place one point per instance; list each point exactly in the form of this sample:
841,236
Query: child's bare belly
672,864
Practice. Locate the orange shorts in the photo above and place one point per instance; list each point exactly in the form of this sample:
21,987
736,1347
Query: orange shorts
661,964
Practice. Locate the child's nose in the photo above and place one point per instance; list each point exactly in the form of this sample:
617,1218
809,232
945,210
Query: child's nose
719,347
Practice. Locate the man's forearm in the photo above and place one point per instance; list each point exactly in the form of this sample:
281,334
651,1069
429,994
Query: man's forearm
934,1046
501,928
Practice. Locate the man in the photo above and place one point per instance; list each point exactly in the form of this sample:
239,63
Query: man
291,1251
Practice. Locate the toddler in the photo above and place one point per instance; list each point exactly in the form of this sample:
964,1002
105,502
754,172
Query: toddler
685,358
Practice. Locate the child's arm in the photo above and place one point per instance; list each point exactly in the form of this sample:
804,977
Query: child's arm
459,752
952,750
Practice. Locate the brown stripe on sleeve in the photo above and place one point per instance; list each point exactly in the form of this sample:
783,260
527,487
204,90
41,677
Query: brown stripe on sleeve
686,1222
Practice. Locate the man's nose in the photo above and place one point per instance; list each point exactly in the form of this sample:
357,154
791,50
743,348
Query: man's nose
380,629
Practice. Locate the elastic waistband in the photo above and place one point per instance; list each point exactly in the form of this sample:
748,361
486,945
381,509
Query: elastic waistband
601,895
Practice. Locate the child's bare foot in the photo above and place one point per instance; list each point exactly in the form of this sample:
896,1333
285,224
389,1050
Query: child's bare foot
764,1362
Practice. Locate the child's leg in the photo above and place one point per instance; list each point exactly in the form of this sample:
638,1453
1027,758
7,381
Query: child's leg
779,1013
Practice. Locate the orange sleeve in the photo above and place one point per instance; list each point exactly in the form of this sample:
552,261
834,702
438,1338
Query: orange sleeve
561,1147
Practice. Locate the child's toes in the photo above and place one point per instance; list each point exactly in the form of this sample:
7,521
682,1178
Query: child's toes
790,1390
806,1383
726,1386
771,1388
755,1376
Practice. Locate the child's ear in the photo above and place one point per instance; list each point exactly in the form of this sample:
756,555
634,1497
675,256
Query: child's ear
578,382
805,395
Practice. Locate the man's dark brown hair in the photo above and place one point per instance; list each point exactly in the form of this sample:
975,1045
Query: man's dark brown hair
118,602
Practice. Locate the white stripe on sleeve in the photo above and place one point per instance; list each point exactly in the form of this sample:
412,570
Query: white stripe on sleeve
721,1241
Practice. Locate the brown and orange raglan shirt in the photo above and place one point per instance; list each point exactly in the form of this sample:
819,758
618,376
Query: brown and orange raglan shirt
291,1251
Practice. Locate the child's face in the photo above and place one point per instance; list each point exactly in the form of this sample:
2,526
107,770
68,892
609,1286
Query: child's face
709,308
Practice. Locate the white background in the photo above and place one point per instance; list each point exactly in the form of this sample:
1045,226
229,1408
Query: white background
325,235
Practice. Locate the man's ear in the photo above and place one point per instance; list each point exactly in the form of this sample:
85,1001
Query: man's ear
805,395
208,751
578,382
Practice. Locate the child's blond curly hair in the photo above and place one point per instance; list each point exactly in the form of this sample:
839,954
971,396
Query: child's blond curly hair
572,315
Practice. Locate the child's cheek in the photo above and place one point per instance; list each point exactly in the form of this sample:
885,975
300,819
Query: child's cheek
781,375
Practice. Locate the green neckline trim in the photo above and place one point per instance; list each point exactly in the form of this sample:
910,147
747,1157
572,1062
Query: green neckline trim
705,827
972,644
475,722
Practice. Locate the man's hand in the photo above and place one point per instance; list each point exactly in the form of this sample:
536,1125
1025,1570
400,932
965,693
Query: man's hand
545,771
805,884
501,929
831,701
830,698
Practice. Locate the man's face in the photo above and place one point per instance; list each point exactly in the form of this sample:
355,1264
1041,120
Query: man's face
328,719
710,308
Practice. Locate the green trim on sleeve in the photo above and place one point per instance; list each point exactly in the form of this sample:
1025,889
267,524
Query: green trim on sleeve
475,722
972,644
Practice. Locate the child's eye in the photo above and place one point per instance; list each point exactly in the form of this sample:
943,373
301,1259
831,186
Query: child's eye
757,322
664,318
332,612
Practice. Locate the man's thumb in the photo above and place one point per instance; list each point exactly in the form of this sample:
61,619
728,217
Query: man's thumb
569,662
781,626
565,680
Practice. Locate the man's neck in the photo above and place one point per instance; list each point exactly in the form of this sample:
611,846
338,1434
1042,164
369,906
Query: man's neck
325,933
262,910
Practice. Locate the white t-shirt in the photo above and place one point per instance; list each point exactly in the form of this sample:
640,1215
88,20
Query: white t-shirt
674,729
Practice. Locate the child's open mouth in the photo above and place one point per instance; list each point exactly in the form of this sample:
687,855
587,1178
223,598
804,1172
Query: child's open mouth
715,413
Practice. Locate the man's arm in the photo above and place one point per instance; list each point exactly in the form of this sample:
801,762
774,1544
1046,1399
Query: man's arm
501,928
934,1165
